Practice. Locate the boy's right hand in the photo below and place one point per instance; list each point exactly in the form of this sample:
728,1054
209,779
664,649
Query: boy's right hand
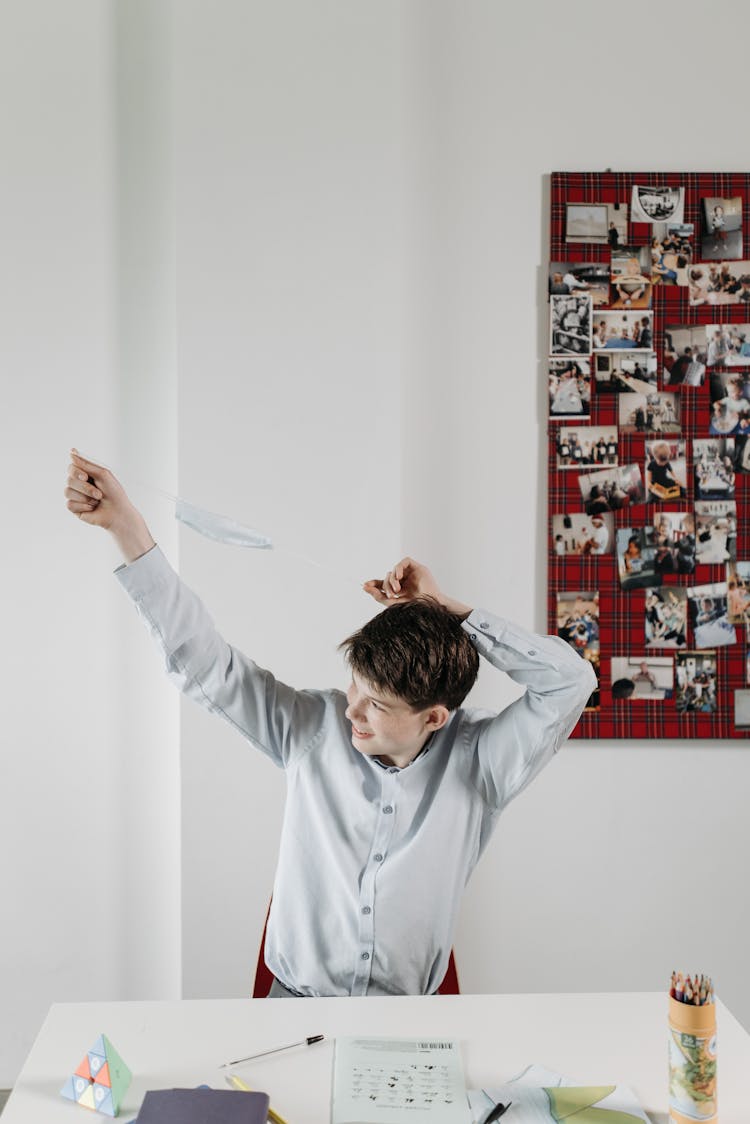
96,496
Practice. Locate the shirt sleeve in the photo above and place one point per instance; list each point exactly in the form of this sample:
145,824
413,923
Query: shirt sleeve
281,722
513,746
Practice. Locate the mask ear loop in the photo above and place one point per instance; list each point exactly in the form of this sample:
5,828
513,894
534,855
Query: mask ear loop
223,529
227,531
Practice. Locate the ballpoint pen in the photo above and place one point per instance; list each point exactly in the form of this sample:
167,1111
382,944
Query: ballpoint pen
496,1112
276,1050
238,1083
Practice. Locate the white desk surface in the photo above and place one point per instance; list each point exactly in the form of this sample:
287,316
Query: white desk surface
595,1039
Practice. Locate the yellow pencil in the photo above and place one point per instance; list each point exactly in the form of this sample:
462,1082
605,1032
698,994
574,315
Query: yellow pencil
238,1083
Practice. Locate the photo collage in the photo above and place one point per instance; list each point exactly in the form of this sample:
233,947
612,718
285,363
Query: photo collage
648,371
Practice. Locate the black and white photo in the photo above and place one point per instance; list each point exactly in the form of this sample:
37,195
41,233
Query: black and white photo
657,204
570,324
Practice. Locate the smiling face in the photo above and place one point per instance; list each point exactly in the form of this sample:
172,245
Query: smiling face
385,726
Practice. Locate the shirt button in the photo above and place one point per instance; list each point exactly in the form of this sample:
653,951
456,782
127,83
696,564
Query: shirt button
366,909
532,651
393,770
378,857
388,809
472,635
483,624
365,956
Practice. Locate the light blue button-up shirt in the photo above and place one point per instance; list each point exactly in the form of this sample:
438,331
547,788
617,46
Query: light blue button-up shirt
373,859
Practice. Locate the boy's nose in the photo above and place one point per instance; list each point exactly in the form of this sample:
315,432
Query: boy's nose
353,713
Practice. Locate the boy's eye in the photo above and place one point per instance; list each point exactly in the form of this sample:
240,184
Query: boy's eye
376,704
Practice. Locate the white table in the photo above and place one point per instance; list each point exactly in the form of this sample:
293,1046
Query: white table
596,1039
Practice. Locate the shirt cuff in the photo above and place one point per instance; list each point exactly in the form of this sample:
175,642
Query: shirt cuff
484,629
145,573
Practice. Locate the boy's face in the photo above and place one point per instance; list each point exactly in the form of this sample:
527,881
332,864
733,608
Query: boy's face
385,726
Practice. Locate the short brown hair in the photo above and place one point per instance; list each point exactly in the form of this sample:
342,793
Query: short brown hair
417,651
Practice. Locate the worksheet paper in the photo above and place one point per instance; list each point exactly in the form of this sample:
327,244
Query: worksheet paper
541,1096
395,1080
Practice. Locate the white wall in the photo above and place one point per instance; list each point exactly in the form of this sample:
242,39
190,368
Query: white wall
89,832
61,825
339,342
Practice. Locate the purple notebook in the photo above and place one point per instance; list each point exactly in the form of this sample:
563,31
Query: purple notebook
203,1106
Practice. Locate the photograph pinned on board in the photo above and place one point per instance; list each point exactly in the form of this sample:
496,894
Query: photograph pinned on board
570,324
665,617
598,224
716,283
630,281
738,592
592,277
727,345
721,228
657,204
578,625
623,331
713,467
618,372
635,558
695,675
671,253
655,412
581,534
708,616
674,542
730,403
642,678
684,351
569,384
611,489
742,705
741,454
584,446
715,532
665,471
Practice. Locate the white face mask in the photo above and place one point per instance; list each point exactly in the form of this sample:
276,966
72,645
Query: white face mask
220,528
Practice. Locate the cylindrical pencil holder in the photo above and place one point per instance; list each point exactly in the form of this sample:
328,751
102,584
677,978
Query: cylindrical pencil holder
692,1063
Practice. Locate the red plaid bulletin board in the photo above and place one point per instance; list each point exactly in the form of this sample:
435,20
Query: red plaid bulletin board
649,447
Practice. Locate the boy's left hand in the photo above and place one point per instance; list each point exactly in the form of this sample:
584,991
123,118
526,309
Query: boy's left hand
407,581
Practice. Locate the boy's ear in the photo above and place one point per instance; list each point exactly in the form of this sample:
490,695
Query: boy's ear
437,716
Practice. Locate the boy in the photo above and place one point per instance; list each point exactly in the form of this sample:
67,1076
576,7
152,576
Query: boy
393,788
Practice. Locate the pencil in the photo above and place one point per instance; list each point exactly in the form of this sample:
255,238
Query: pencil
238,1083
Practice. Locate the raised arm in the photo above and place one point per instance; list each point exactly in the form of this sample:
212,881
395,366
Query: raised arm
277,719
508,749
514,745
